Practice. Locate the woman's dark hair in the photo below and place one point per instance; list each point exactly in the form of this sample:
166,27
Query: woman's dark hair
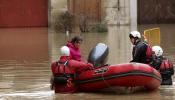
76,39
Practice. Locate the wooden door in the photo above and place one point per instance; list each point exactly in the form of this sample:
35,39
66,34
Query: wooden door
22,13
91,9
156,11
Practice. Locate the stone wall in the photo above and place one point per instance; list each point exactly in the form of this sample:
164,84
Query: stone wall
118,12
57,6
115,12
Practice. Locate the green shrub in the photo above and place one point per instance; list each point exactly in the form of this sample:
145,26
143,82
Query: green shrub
99,27
64,22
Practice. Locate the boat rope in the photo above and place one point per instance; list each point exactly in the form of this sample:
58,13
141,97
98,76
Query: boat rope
107,84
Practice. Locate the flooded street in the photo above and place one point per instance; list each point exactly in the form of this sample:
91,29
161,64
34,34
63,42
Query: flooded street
24,64
26,54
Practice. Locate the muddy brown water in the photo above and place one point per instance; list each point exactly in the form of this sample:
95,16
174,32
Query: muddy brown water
26,54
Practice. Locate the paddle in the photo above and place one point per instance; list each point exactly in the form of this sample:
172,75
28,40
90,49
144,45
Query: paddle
152,36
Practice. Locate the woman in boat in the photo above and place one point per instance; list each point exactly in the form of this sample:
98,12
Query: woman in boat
65,70
142,52
74,46
163,65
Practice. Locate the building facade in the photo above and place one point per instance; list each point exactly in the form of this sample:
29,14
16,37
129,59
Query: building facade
23,13
114,12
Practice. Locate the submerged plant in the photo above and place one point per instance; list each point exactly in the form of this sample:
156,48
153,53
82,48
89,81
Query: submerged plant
64,22
99,27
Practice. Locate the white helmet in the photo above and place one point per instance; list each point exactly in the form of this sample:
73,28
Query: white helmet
135,34
157,50
65,51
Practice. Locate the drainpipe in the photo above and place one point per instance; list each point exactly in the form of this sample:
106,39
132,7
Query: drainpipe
49,13
118,5
133,14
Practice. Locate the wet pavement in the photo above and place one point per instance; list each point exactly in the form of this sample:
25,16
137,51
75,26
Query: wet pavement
26,54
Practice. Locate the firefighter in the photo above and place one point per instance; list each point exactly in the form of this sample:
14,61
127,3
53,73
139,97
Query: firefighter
65,70
142,52
163,65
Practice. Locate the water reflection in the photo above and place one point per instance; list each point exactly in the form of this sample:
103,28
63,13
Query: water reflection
119,44
26,55
117,40
167,38
119,52
167,43
24,63
23,43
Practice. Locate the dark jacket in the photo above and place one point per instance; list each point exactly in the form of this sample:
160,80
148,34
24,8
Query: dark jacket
156,62
165,67
139,52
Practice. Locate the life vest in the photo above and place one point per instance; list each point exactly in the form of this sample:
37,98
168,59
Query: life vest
60,68
63,76
54,68
166,67
61,72
148,53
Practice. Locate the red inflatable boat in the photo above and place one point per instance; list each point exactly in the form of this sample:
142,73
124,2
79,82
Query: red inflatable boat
122,75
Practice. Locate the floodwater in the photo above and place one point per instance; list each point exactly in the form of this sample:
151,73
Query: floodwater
26,54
